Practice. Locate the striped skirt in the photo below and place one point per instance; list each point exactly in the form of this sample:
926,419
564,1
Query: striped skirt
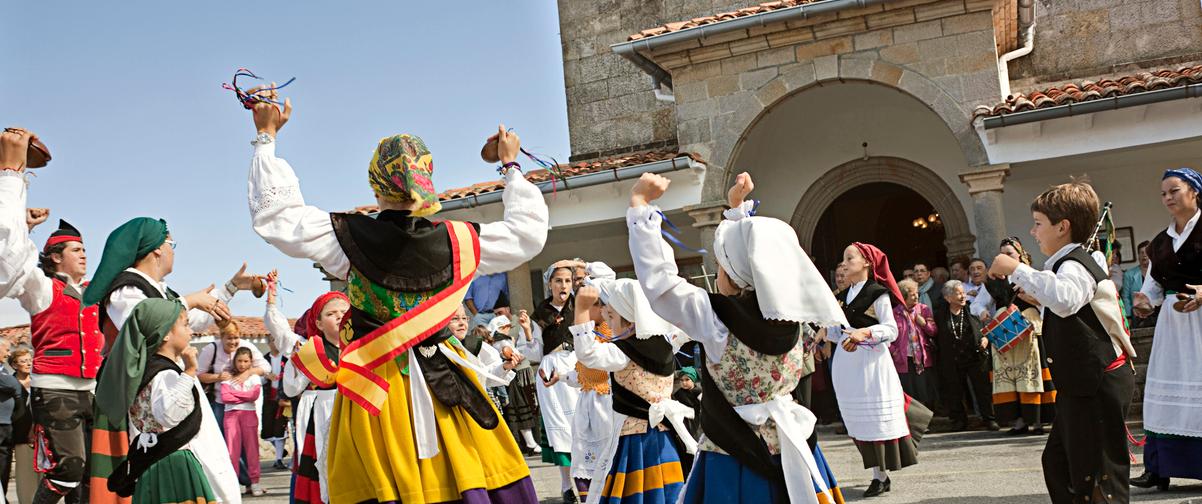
718,478
307,488
176,479
645,470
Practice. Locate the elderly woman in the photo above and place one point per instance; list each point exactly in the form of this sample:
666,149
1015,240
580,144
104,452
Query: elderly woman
913,350
1173,394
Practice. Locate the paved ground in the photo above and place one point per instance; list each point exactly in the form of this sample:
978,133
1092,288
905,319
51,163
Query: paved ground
967,467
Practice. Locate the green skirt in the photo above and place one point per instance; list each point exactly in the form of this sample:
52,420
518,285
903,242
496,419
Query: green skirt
178,479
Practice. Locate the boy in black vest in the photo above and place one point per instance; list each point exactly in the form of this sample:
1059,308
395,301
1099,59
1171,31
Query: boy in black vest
1086,458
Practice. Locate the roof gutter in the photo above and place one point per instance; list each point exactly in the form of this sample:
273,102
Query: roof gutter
582,181
630,49
1091,106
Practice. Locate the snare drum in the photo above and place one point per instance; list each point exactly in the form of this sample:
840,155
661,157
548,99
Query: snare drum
1007,329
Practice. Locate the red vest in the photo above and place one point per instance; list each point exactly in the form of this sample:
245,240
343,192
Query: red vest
66,339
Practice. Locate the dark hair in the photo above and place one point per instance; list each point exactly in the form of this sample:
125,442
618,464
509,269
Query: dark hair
977,259
243,351
49,267
917,264
1075,202
1142,245
962,261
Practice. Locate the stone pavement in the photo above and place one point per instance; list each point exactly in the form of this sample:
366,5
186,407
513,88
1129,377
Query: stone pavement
965,467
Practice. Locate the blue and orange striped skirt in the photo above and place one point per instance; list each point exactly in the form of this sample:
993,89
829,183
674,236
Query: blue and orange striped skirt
720,478
645,470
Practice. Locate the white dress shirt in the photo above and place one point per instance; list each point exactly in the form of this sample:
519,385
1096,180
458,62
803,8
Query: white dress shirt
1063,292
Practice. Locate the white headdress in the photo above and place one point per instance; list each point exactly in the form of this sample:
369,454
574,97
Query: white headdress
625,296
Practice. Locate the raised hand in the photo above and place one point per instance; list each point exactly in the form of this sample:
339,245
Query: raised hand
35,216
14,148
269,118
650,187
586,297
739,191
1003,266
508,144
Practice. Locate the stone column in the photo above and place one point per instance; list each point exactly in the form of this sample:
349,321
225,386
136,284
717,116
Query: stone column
521,295
986,185
706,217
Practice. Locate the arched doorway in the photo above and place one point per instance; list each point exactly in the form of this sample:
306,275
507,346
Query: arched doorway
891,216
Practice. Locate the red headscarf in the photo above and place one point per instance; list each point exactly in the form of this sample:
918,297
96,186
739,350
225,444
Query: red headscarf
314,313
880,269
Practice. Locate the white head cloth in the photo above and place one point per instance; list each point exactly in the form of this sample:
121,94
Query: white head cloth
495,325
626,297
763,254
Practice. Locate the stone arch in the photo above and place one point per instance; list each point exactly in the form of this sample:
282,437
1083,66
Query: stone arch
834,183
847,68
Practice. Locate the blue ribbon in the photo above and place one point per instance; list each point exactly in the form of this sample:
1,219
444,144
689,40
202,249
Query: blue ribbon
672,238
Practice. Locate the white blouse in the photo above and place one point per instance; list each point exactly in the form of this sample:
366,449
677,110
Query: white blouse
595,354
884,331
281,217
1151,287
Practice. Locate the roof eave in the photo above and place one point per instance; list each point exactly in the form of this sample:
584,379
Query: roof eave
1092,106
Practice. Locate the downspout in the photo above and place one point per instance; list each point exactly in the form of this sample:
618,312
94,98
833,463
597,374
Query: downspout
1026,26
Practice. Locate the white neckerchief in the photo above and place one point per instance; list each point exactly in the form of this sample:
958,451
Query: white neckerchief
1179,238
854,290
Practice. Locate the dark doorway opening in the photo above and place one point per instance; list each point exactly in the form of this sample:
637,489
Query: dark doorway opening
893,217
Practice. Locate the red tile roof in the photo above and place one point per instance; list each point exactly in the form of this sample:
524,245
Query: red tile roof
568,170
251,327
716,18
1090,90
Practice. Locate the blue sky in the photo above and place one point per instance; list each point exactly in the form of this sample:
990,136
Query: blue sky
128,97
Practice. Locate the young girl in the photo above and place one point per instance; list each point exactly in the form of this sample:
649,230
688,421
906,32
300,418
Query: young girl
177,455
308,375
241,422
499,326
522,410
641,368
755,448
885,423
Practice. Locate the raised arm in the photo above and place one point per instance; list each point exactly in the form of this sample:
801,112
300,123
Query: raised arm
281,332
592,353
684,305
20,277
520,235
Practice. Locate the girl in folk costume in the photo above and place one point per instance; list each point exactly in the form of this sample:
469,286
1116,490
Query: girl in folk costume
754,448
549,337
309,375
1023,394
410,422
241,422
522,408
885,423
176,452
492,360
1173,394
639,462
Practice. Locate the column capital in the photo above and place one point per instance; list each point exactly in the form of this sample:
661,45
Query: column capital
961,246
987,178
706,214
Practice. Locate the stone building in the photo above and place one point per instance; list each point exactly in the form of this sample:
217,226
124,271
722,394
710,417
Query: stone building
925,126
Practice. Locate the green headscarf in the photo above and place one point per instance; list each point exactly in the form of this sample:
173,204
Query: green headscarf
140,337
125,245
690,372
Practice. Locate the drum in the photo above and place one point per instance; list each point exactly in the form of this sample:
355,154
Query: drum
1007,329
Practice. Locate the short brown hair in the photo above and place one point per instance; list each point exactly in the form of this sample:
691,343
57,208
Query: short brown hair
1075,202
231,328
16,354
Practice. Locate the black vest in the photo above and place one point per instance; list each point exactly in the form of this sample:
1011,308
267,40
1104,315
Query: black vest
857,309
1078,346
653,354
1174,269
555,332
721,424
126,279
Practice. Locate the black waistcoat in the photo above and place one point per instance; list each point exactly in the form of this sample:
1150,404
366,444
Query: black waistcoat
1078,346
1174,269
653,354
555,323
126,279
856,309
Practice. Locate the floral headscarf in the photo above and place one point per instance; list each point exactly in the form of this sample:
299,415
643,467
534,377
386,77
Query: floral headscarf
401,169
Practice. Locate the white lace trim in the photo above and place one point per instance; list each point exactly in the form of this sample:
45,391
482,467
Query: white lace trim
273,197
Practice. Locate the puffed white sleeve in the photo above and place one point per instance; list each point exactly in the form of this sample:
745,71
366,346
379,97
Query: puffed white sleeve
521,233
20,277
682,304
295,381
533,349
171,398
280,216
280,330
1063,292
885,330
1152,289
983,303
594,354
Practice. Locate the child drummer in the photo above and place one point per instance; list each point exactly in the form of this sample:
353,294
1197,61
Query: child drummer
1086,458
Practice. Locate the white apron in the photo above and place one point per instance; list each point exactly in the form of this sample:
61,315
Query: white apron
558,402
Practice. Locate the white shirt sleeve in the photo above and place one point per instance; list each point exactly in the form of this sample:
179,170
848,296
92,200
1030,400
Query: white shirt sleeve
206,359
491,361
1152,289
280,216
982,303
295,381
280,330
171,398
1064,292
522,231
533,350
594,354
20,276
885,331
680,303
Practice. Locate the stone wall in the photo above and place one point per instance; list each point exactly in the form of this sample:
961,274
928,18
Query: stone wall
611,106
1078,39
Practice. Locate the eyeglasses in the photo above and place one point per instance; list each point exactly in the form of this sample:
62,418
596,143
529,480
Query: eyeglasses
170,242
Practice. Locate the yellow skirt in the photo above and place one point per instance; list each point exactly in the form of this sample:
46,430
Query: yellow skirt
374,457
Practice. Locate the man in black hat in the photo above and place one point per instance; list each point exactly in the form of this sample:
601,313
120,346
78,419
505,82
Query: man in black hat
67,343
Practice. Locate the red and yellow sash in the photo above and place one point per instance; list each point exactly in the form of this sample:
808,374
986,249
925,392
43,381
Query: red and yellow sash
311,360
358,374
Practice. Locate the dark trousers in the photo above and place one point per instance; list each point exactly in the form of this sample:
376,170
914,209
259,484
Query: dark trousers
1086,457
6,455
918,385
65,421
964,384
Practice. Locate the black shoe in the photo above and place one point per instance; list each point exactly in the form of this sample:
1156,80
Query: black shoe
877,487
992,426
1038,431
569,497
279,466
1149,480
1019,431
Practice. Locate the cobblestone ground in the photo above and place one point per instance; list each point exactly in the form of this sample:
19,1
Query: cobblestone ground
965,467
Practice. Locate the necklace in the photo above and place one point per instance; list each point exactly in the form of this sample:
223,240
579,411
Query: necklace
957,324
